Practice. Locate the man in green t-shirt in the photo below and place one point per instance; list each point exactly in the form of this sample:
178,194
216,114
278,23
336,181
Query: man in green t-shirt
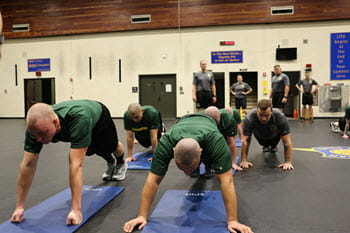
88,126
193,139
143,123
227,126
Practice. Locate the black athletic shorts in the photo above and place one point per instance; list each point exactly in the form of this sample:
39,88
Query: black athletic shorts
104,135
277,100
241,102
204,99
307,99
272,142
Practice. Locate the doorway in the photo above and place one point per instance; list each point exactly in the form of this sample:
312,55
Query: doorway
252,79
38,90
160,92
220,89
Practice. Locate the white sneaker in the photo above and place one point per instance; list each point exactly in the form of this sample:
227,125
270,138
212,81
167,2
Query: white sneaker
120,171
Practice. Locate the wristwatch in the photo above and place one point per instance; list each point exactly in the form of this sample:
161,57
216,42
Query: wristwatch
286,97
2,38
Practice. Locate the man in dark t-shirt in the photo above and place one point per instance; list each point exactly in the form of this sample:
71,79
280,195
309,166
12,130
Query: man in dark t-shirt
192,139
280,85
88,126
203,88
143,123
268,126
307,87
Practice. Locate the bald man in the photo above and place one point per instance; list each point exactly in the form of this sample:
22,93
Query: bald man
88,126
227,126
194,138
143,123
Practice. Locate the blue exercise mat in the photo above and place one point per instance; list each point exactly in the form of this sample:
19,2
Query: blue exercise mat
238,142
141,162
184,211
50,215
202,167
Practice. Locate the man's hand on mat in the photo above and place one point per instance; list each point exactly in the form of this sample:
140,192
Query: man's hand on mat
129,226
18,215
245,164
233,226
286,166
236,167
75,217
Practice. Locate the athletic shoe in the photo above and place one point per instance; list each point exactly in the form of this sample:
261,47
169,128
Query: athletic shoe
120,171
266,149
273,149
195,173
209,173
272,160
107,175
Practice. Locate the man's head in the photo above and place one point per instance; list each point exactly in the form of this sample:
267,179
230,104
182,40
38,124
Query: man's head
203,65
277,69
213,112
42,122
135,112
239,78
264,111
187,154
307,74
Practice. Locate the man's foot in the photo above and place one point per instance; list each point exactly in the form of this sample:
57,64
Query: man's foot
107,175
272,160
273,149
120,171
195,173
266,149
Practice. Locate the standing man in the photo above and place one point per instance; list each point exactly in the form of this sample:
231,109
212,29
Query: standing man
1,35
88,126
268,126
280,88
143,123
194,138
203,88
240,90
310,86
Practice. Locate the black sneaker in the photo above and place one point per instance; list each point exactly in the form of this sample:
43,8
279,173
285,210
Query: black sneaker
108,174
120,171
195,173
266,149
272,160
210,173
273,149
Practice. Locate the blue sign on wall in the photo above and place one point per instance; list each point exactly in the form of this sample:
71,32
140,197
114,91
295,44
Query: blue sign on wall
227,57
42,64
340,56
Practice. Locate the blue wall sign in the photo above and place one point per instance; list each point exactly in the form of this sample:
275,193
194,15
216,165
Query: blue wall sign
227,57
340,56
42,64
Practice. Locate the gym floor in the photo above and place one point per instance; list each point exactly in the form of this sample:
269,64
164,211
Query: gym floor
313,198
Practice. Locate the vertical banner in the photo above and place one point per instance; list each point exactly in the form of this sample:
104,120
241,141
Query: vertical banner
340,56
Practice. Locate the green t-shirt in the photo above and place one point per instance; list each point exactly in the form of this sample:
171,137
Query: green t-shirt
77,119
203,129
236,116
227,125
150,120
